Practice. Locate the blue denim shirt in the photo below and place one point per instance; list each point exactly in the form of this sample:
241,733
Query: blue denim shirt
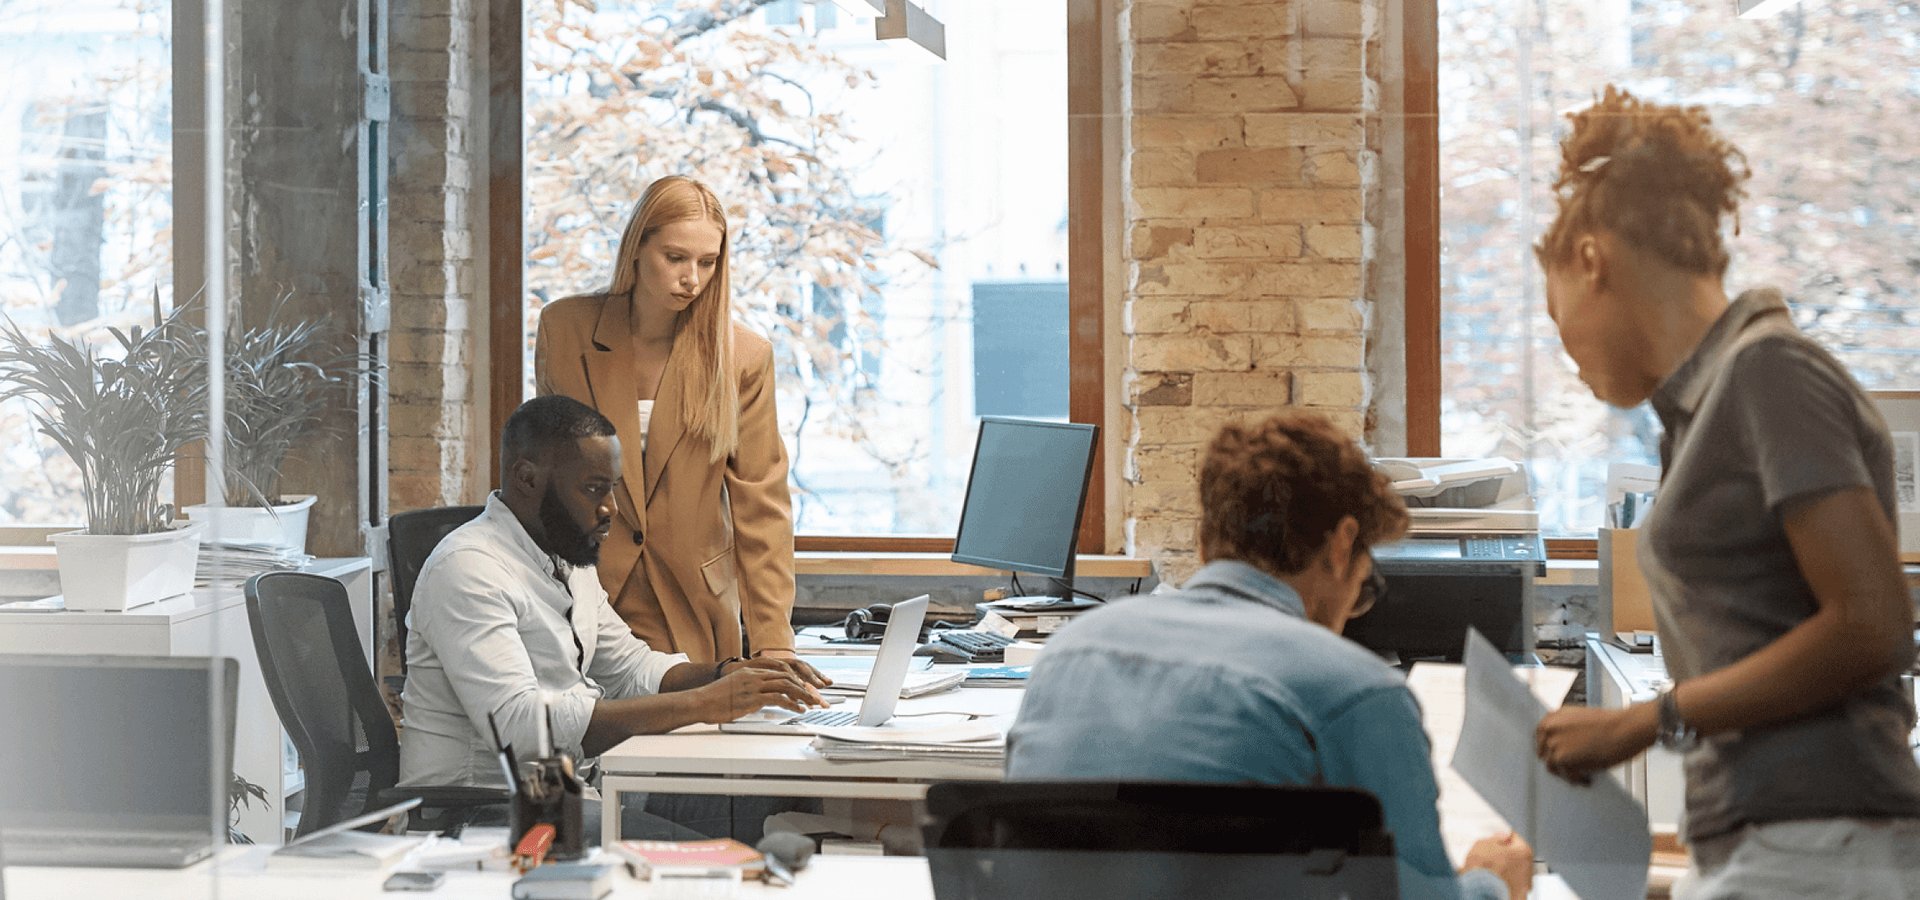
1226,680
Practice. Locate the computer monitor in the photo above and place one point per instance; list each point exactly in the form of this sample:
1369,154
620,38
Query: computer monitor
1024,496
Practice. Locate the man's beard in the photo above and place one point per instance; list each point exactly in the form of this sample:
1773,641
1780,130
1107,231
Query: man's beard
570,542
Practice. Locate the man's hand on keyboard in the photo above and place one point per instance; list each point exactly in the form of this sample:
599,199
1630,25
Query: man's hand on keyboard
757,684
799,668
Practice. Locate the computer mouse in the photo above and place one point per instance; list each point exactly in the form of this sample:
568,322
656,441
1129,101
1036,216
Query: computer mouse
943,653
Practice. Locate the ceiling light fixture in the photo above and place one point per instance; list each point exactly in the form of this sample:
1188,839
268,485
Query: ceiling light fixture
858,8
1763,9
905,20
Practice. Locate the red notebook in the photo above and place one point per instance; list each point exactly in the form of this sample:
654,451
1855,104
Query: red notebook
713,856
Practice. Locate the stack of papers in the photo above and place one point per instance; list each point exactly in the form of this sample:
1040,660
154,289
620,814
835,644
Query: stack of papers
917,683
235,563
983,742
850,675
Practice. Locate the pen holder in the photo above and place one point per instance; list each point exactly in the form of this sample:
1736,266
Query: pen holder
549,794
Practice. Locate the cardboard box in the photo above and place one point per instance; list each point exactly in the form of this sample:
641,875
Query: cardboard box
1623,589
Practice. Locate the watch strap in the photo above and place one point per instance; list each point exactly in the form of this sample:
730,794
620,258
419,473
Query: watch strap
1675,734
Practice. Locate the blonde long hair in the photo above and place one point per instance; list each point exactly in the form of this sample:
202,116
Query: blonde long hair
702,355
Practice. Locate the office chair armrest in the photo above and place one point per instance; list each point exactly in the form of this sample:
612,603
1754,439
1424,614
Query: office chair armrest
447,797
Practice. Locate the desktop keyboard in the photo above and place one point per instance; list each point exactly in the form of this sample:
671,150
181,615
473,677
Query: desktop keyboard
983,646
831,718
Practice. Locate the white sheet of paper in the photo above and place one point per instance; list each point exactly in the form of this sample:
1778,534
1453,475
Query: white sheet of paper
1441,689
1594,836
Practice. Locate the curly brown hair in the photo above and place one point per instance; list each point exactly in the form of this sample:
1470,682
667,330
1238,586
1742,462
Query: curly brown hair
1270,494
1656,176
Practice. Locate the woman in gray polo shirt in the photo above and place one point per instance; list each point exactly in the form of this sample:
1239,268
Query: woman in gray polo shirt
1771,553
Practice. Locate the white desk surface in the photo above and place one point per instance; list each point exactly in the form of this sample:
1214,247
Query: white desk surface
239,874
203,601
703,750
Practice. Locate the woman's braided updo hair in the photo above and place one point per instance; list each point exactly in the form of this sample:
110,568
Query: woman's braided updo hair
1655,176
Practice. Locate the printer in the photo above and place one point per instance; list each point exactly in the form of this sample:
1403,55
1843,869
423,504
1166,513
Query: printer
1469,560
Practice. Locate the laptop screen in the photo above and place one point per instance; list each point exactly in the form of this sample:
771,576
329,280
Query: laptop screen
126,742
890,664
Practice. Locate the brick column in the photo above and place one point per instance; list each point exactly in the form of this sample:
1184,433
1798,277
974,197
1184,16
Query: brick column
1251,167
432,241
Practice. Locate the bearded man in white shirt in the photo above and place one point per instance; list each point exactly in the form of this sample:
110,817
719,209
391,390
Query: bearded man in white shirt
509,622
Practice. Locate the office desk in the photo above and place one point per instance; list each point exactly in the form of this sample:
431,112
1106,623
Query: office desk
239,874
1618,678
701,759
211,621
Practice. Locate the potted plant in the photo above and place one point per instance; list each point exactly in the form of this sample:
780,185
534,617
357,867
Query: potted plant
282,378
122,420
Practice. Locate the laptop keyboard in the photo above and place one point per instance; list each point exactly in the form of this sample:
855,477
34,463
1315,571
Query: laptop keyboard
831,718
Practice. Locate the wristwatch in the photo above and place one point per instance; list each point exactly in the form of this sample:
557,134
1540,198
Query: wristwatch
720,667
1675,734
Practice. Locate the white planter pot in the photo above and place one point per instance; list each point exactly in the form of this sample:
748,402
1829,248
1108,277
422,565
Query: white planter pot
116,572
284,526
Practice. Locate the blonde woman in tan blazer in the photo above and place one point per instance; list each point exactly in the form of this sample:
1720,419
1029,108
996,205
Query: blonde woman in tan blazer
700,559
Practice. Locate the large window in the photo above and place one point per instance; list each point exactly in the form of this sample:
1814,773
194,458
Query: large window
85,200
1824,99
900,222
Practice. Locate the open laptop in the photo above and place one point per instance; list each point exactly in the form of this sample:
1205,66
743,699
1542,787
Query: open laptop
883,683
114,760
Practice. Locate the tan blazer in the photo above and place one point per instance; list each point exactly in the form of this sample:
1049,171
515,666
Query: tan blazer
699,549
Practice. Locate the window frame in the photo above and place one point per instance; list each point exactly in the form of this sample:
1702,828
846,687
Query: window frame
1087,27
1421,50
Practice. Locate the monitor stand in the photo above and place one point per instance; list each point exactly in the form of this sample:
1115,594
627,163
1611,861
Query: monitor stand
1040,603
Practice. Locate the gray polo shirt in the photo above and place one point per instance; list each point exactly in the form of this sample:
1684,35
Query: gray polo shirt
1759,420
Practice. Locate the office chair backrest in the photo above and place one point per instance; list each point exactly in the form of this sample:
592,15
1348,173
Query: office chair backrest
323,690
1155,839
411,537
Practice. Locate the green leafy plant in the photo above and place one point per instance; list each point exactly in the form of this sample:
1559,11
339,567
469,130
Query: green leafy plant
122,420
282,378
240,795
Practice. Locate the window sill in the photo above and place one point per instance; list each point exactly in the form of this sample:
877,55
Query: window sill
832,563
27,559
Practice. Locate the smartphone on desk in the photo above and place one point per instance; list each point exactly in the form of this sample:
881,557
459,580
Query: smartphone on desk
413,881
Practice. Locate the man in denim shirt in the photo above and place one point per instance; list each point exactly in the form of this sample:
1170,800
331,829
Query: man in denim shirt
1242,675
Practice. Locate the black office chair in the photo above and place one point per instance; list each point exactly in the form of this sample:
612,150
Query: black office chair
411,537
323,691
1108,840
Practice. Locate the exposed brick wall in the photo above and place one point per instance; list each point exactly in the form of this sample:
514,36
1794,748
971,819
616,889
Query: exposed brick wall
1251,173
432,248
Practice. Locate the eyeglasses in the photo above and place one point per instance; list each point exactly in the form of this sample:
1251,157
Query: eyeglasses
1372,591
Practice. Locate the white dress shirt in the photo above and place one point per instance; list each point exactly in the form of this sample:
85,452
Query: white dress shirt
497,623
